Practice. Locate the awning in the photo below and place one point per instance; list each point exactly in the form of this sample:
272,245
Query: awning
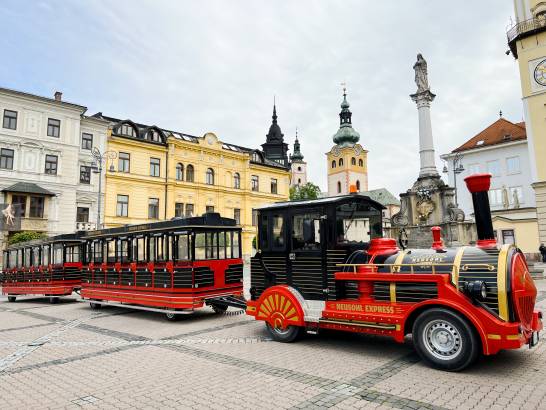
28,188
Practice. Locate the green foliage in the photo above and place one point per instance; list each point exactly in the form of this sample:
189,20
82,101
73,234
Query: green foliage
307,191
26,236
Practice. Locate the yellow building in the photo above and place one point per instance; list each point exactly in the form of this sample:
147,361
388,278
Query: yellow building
159,174
347,161
527,41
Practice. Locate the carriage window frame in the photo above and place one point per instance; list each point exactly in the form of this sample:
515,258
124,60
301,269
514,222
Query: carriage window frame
211,245
236,244
58,253
123,256
111,250
222,251
139,246
199,251
178,239
37,256
27,257
46,257
72,254
98,249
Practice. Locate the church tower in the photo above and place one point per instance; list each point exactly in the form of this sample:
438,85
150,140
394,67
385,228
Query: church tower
527,41
298,167
275,149
347,161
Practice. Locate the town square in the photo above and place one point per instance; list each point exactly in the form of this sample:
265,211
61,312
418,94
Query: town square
273,205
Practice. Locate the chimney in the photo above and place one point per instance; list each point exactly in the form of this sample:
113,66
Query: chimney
478,185
58,95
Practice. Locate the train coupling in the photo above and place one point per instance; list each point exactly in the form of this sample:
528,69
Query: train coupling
227,301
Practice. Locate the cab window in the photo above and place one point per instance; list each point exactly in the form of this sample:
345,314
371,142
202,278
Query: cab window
277,234
357,223
306,231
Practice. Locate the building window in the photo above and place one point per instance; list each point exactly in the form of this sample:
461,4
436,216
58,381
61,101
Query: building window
122,208
495,197
210,176
36,207
6,158
473,169
256,157
155,164
53,127
255,183
82,214
338,187
179,172
153,208
124,162
516,192
273,185
353,161
178,209
340,162
20,201
209,209
85,174
512,165
254,217
237,181
189,210
127,130
357,185
360,162
299,169
334,163
493,167
51,164
299,181
153,135
87,141
10,120
237,216
508,236
189,173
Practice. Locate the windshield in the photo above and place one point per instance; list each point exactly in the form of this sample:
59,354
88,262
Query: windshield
357,223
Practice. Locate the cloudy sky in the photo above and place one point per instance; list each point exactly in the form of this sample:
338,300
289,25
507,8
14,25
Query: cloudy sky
199,66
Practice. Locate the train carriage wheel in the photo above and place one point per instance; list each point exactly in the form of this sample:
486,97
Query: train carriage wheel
95,305
445,340
172,317
12,299
53,300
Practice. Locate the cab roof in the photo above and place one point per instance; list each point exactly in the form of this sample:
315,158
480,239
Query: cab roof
331,200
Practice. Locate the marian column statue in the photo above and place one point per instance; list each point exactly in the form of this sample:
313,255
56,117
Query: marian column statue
421,74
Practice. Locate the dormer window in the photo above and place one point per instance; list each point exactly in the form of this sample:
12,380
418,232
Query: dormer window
153,135
507,137
256,157
126,129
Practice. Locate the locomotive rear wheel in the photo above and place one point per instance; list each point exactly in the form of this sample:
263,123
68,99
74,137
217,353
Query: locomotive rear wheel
445,340
12,299
287,335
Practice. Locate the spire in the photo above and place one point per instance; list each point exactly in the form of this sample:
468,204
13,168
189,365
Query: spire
275,134
274,117
297,156
346,135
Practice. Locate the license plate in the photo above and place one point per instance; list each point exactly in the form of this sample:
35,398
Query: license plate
533,341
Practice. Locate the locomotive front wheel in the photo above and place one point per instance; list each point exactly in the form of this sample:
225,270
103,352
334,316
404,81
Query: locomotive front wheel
12,299
288,335
95,305
218,308
445,340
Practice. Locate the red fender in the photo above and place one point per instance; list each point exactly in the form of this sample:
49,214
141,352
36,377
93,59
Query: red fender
279,307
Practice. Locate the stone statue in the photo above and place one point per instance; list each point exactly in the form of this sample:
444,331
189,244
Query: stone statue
421,74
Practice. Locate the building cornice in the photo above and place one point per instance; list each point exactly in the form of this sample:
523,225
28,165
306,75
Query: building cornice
483,149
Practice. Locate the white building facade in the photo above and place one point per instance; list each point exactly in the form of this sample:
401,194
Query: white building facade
45,164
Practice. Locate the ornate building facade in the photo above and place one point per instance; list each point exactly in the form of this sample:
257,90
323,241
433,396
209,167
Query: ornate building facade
347,161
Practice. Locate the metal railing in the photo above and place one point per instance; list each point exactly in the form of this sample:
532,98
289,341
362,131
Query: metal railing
397,267
534,24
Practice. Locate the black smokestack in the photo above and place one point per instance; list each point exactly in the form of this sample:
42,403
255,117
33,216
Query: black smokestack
478,185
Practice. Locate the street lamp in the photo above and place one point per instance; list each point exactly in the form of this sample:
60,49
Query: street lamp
457,169
100,159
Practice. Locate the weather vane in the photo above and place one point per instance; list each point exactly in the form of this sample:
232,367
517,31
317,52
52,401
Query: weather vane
344,85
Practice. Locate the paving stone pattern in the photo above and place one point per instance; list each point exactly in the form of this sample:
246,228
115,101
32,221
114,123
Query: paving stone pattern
68,356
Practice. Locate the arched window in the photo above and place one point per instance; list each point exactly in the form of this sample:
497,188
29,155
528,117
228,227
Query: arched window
357,185
299,181
338,187
189,173
153,135
334,163
210,176
237,181
353,161
299,169
341,162
180,172
360,163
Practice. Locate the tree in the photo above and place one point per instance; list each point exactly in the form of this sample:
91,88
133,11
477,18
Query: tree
26,236
307,191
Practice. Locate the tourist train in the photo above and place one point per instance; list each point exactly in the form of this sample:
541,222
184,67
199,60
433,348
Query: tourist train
320,264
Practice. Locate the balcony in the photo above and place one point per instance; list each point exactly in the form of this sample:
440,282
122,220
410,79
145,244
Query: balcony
34,224
524,29
85,226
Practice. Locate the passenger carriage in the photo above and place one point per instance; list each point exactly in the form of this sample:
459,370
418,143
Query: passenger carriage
323,264
50,267
173,267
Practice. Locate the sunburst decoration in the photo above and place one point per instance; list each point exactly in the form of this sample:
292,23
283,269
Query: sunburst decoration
278,310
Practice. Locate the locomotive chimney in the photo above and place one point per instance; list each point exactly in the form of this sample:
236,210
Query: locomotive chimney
478,185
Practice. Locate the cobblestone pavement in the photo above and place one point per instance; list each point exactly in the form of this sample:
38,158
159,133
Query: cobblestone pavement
68,356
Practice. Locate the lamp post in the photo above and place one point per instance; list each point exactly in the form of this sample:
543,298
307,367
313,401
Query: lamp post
100,159
457,169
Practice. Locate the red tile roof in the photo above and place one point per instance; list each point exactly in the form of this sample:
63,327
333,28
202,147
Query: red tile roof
500,132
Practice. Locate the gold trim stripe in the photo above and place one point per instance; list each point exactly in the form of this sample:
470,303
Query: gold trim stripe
512,337
501,281
398,261
493,336
457,266
392,289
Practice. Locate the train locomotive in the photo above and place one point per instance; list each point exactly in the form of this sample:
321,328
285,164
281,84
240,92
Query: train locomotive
323,264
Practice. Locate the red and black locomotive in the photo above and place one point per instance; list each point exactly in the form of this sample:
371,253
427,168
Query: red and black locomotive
324,264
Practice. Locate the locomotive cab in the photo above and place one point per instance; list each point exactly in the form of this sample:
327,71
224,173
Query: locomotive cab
323,264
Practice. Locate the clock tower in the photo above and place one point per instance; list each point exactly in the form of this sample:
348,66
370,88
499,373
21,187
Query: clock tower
527,42
347,161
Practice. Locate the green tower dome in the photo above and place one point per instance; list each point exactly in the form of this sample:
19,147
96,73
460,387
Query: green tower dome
346,136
